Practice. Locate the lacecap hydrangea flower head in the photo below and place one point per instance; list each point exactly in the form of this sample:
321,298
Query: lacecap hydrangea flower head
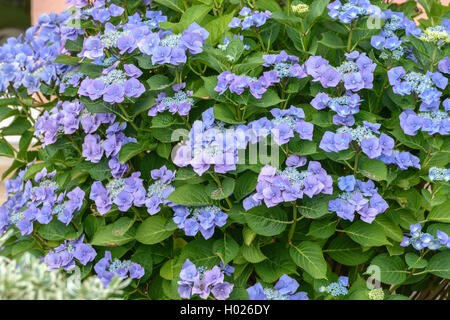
284,289
204,282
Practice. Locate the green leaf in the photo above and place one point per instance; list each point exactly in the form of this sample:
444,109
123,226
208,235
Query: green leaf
163,150
391,229
278,262
190,195
415,261
6,150
392,269
235,48
316,207
158,82
253,253
169,270
218,193
346,252
439,265
153,230
302,147
248,234
163,120
143,256
322,229
332,40
440,213
68,60
176,5
93,71
267,221
98,171
33,169
308,256
225,113
130,150
99,106
55,231
200,252
366,234
217,27
115,234
270,5
92,224
374,169
195,13
226,248
316,9
245,184
17,127
291,21
268,99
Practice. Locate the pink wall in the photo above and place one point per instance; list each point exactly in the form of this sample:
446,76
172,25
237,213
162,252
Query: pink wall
40,6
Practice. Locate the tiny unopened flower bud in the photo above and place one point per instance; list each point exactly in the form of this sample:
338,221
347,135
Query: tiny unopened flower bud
300,8
376,294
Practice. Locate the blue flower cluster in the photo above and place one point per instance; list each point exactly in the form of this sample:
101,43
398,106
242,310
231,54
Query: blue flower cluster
431,122
345,106
123,192
284,124
403,160
352,9
211,144
180,103
114,85
158,192
359,196
39,201
390,41
423,85
162,46
249,19
63,256
356,73
199,280
27,61
420,240
277,186
439,174
94,147
284,289
364,135
336,288
66,118
195,219
444,65
106,268
284,65
166,47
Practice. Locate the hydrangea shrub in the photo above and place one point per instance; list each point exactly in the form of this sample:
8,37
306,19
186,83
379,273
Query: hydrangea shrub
233,149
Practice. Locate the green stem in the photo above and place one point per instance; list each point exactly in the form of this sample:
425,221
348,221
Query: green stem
127,118
294,218
355,166
217,180
350,35
380,94
433,58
